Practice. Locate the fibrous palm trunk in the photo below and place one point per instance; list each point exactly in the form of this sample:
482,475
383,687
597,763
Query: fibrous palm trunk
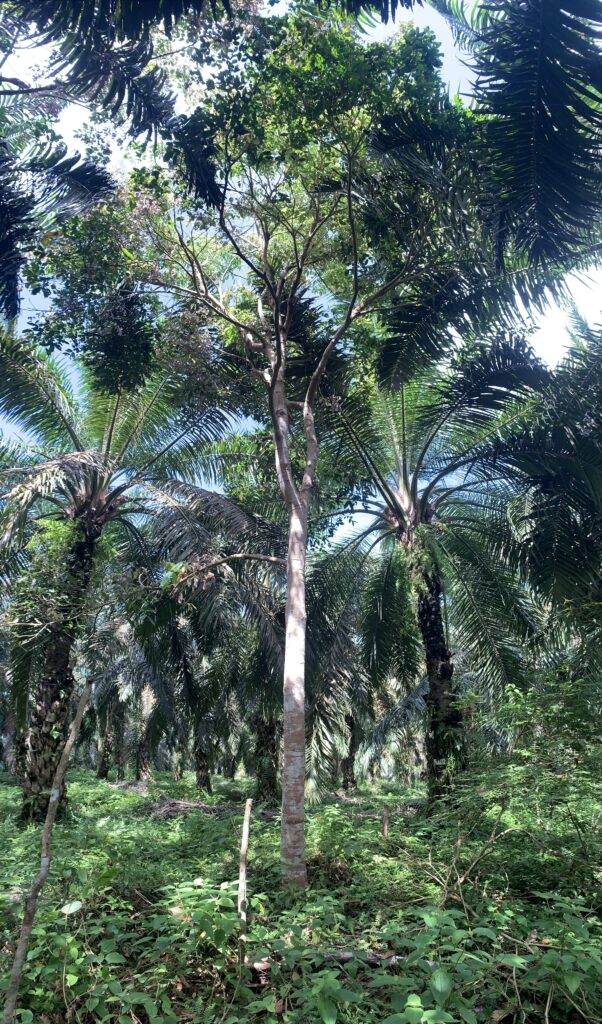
202,769
266,731
12,746
121,746
103,755
143,767
105,746
444,741
348,765
48,722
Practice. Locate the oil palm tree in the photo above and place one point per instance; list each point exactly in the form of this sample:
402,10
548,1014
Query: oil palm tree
437,525
92,462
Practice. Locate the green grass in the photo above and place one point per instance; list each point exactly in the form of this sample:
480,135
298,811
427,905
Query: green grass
138,922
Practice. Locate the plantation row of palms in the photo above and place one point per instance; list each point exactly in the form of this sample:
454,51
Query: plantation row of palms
293,470
170,593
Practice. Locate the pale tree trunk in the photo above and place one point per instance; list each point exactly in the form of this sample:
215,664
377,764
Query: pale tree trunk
293,769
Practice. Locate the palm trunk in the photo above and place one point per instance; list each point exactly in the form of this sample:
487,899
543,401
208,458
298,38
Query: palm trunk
444,741
293,774
12,745
49,718
202,770
266,760
178,766
348,765
121,747
143,764
103,755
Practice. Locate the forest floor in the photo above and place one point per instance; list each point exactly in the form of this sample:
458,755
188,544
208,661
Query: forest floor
489,910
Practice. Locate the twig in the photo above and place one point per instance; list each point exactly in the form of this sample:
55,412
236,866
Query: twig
31,901
242,883
490,843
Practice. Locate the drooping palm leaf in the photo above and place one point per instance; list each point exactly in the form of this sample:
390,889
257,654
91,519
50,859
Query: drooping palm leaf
537,65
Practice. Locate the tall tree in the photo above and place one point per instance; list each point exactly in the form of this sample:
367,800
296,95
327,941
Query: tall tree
288,242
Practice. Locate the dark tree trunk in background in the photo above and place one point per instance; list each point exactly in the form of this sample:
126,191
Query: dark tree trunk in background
445,752
13,746
121,749
348,765
267,744
49,719
104,743
103,755
230,766
178,765
202,769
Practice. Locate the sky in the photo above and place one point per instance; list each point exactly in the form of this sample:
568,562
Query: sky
551,338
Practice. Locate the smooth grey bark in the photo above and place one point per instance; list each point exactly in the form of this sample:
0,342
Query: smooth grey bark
292,844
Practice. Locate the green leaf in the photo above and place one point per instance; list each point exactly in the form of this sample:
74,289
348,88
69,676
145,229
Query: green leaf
572,980
71,908
327,1009
512,960
115,958
468,1015
441,985
345,995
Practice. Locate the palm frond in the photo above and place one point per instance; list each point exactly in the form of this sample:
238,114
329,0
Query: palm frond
35,394
17,230
537,80
393,725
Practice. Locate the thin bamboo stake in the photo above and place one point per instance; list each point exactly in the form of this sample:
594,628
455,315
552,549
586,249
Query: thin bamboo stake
31,900
242,883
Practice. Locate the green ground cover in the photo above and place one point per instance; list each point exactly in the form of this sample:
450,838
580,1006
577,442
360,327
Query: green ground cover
491,908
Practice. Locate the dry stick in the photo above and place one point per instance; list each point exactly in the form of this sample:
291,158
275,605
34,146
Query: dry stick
31,901
386,821
242,883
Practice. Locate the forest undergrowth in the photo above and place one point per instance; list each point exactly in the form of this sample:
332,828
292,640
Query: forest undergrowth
489,909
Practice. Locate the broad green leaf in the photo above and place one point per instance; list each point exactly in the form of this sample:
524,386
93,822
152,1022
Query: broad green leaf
71,908
327,1009
441,985
572,980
